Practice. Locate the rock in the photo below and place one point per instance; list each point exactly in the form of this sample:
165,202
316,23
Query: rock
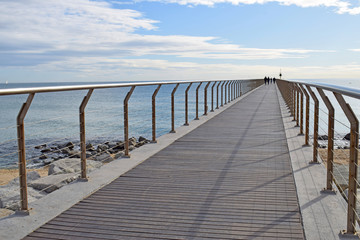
51,183
71,165
43,156
102,147
112,145
141,138
119,154
46,150
104,157
32,176
10,196
139,144
89,146
132,141
119,146
40,146
65,151
74,154
347,137
70,145
131,148
48,161
323,137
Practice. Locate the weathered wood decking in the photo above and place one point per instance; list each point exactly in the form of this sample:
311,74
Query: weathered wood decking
230,178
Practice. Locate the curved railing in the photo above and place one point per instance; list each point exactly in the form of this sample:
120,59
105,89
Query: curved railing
293,93
222,92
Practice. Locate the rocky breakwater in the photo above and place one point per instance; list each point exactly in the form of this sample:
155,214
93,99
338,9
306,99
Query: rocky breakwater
64,166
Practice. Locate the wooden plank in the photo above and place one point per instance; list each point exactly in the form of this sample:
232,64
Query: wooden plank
230,178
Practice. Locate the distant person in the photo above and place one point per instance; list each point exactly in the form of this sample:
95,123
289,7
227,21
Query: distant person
265,79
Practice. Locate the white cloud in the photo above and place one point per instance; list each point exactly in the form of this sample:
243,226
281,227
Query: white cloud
354,50
342,6
35,32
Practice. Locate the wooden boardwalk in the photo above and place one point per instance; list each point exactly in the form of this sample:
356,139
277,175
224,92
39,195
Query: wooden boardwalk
230,178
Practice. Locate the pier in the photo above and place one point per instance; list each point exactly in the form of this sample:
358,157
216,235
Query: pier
243,173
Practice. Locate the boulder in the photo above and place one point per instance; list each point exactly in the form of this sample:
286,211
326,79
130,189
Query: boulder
71,165
65,150
40,146
119,146
51,183
132,141
139,144
347,137
45,150
74,154
323,137
104,157
119,154
89,146
102,147
141,138
43,156
10,196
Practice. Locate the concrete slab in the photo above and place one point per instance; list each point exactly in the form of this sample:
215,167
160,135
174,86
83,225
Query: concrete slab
324,215
19,225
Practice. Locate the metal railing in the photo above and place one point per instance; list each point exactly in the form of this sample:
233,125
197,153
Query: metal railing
232,90
293,93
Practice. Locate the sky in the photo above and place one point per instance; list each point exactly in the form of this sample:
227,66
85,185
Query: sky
136,40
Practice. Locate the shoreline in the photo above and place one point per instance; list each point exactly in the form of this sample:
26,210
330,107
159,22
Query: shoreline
8,174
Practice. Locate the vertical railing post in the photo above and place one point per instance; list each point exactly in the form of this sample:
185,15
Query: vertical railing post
316,124
222,94
22,154
240,88
307,115
225,88
197,102
353,163
82,133
153,101
301,110
294,100
173,109
229,91
126,121
217,95
205,98
297,105
212,96
187,105
330,152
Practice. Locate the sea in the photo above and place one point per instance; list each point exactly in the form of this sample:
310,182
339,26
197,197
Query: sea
53,118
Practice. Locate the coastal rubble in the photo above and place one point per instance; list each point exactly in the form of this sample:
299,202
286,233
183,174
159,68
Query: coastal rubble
64,166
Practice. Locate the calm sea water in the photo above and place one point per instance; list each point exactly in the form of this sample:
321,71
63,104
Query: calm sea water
54,117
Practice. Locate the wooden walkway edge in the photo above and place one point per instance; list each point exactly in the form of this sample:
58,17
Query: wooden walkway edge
230,178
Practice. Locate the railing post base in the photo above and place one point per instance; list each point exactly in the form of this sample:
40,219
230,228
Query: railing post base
172,131
345,234
154,141
24,212
314,162
127,156
186,124
197,118
83,179
211,110
301,134
328,191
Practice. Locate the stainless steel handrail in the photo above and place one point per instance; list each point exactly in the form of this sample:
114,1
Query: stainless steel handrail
15,91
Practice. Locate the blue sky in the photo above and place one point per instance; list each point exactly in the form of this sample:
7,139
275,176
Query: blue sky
131,40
